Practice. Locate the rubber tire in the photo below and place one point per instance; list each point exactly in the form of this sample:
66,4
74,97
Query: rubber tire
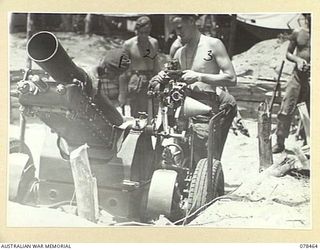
198,186
27,178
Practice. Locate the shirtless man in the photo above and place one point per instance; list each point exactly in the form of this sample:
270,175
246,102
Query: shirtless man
177,44
298,89
206,66
142,50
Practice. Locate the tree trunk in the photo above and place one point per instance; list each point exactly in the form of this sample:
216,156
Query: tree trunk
304,116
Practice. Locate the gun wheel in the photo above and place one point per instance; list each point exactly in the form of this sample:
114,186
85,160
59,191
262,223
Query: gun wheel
164,197
198,187
27,179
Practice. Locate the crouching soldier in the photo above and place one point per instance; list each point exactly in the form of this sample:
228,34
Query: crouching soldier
107,85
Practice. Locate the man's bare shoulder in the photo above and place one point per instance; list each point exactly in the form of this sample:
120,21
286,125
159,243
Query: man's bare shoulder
178,53
131,41
216,45
212,41
298,31
153,40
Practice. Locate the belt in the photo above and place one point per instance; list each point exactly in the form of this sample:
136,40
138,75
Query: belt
210,96
143,72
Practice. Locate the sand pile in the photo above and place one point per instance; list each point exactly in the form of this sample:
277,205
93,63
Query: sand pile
263,60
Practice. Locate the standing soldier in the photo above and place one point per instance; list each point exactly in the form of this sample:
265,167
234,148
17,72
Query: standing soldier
142,50
298,89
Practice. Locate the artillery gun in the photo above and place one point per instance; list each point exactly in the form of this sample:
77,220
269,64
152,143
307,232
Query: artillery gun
182,185
144,167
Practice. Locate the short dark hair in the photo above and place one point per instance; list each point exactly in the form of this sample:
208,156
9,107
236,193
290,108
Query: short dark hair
142,22
188,16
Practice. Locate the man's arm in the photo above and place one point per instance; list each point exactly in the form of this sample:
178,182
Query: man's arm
177,55
161,76
227,76
126,47
174,47
156,63
292,45
124,79
290,52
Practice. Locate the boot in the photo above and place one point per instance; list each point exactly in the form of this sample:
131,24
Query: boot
279,146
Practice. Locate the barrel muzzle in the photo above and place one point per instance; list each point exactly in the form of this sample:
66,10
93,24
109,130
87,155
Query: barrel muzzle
45,50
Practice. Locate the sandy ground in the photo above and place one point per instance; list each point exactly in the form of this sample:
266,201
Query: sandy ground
39,217
274,202
268,202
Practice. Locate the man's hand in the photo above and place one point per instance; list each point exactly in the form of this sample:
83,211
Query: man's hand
190,76
301,64
122,98
158,79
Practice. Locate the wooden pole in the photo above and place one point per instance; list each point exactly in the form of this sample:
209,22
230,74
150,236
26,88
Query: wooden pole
84,183
277,88
30,32
305,162
264,137
304,116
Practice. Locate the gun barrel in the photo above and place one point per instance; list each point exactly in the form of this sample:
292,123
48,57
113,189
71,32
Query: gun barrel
45,49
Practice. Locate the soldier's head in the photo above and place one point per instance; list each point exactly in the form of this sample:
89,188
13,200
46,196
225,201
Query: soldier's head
185,26
307,16
143,28
113,63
